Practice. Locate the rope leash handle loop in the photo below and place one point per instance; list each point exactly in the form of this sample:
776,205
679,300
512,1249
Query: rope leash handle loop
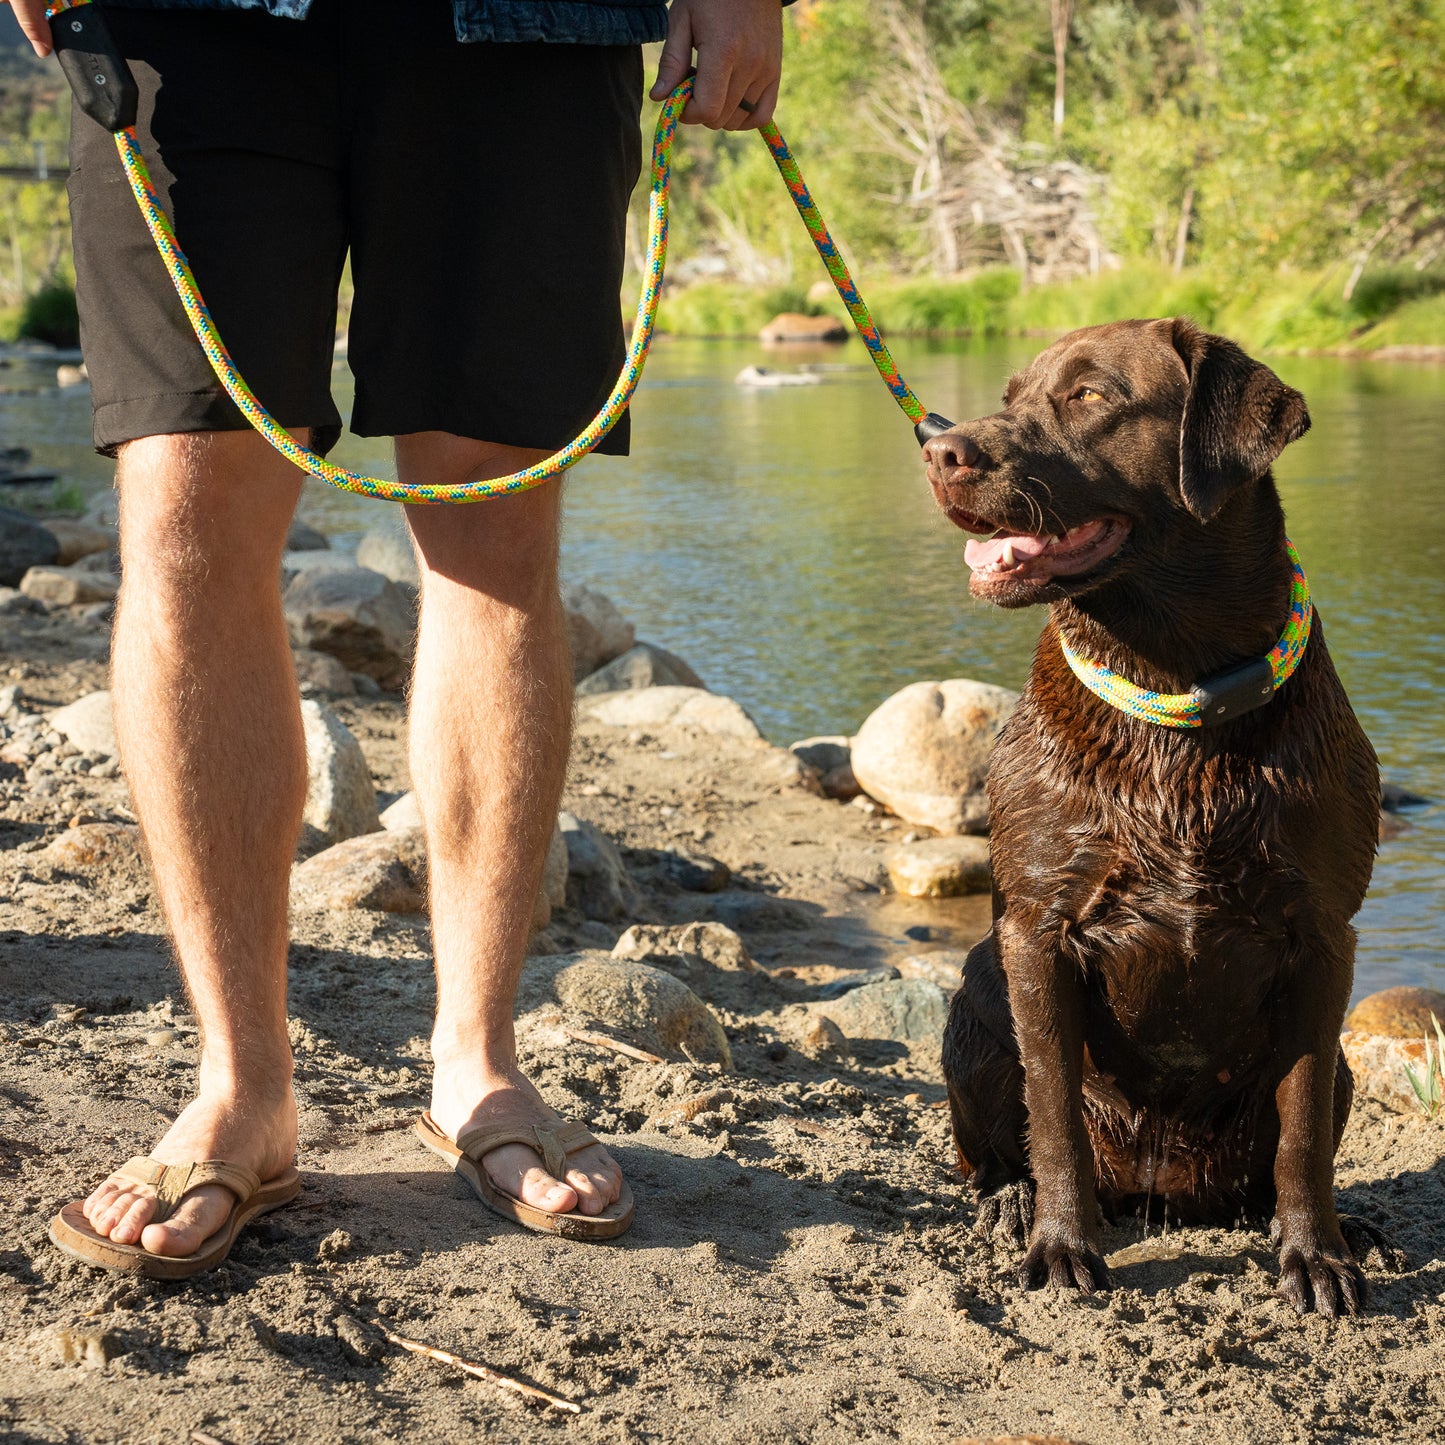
122,123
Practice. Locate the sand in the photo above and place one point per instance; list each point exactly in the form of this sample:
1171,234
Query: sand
803,1265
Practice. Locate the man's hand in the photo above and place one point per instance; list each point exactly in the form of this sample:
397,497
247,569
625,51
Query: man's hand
31,15
739,46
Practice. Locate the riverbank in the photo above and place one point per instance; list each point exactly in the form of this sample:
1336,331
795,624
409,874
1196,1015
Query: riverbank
1397,314
803,1264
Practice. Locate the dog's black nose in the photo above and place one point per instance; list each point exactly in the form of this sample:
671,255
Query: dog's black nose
952,451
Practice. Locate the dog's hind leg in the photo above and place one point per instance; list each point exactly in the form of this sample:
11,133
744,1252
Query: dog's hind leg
986,1097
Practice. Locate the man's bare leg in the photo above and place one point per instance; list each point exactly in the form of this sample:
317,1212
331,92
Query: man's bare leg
208,720
491,713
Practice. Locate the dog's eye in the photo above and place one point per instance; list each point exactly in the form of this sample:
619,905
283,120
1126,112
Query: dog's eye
1086,393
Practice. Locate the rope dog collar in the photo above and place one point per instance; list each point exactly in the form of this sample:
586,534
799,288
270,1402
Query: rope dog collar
106,91
1220,697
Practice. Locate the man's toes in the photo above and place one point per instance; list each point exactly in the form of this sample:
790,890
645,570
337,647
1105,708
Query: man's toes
99,1200
130,1220
96,1206
541,1191
117,1208
196,1219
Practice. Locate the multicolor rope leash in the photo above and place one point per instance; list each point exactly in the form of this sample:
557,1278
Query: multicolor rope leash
103,84
1219,698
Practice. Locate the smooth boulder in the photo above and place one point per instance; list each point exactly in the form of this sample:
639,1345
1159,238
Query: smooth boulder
88,724
925,752
356,615
645,1006
795,326
940,867
384,872
79,538
1402,1012
340,799
683,707
71,586
642,665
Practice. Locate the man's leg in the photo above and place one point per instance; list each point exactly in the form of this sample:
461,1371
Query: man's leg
491,713
209,725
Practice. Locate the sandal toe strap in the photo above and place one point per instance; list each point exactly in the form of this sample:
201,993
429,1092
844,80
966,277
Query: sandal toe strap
172,1182
553,1144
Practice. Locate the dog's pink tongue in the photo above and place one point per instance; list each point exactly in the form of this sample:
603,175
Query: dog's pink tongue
984,553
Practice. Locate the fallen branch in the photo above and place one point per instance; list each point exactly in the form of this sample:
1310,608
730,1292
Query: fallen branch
482,1372
603,1042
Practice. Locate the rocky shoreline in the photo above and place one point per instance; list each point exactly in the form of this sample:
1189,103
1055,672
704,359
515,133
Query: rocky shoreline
739,970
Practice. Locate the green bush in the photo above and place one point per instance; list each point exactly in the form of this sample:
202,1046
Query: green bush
49,315
724,308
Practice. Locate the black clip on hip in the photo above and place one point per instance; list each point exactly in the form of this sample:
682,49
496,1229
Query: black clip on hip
98,74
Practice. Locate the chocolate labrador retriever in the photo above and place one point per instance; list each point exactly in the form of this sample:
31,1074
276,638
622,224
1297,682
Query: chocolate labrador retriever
1155,1017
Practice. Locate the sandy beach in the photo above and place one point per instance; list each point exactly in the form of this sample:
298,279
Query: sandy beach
804,1264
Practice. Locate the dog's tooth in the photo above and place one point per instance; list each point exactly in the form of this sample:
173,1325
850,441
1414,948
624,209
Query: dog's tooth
1007,560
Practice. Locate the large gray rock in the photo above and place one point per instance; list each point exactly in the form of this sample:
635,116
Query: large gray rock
682,707
642,665
925,752
596,630
340,800
907,1010
597,882
24,544
384,872
356,615
387,548
88,724
646,1007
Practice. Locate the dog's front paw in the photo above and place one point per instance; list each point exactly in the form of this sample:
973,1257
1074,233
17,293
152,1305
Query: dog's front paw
1372,1245
1007,1212
1064,1261
1322,1277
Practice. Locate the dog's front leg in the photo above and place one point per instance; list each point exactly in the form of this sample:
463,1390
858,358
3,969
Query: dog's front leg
1315,1264
1046,996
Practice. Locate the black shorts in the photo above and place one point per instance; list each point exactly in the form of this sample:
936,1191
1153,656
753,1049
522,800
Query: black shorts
481,191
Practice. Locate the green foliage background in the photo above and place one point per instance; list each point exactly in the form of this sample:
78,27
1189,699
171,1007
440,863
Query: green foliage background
1298,146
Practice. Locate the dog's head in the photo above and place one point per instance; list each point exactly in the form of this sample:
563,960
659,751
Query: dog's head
1116,443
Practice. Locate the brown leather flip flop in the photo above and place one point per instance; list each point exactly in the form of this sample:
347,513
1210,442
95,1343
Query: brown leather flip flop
554,1145
70,1230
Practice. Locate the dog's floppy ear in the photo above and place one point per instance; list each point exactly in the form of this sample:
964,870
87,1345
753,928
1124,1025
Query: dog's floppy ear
1238,417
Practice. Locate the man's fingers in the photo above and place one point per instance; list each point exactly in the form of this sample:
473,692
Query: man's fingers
31,15
710,92
676,57
761,113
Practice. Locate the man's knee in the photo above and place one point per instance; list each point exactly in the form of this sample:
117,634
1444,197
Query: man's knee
503,545
203,506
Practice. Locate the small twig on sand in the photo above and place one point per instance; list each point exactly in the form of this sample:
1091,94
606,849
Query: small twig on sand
603,1042
199,1437
482,1372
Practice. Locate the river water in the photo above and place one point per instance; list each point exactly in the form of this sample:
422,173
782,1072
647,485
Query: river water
784,543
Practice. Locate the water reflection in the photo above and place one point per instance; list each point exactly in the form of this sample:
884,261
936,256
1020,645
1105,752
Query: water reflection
784,543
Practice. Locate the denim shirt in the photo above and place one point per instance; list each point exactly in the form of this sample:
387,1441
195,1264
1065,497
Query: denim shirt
578,22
